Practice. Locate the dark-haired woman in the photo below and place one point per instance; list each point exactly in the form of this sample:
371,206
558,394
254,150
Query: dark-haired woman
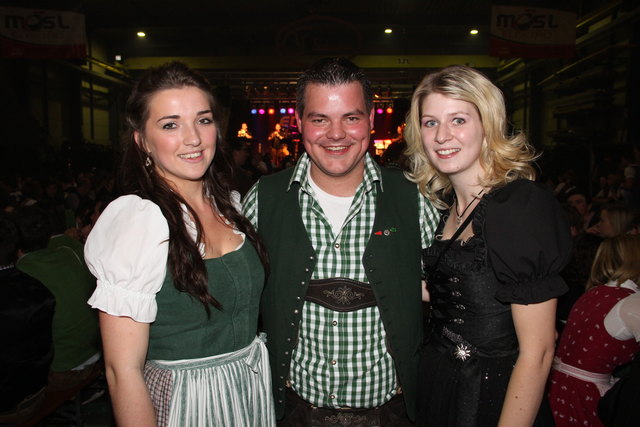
179,270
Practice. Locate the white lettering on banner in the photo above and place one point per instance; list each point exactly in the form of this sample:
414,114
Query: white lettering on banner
530,25
42,27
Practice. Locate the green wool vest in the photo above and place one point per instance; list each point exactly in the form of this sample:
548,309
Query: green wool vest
391,260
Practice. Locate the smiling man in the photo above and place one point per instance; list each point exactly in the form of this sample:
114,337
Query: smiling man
341,307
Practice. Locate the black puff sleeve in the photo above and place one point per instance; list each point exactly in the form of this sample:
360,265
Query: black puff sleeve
528,242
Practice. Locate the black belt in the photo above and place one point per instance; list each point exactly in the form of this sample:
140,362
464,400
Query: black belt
299,412
340,294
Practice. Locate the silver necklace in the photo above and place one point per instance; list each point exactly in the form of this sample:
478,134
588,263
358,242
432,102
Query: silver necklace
459,216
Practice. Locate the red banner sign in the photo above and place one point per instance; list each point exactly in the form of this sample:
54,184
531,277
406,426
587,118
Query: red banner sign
530,32
38,33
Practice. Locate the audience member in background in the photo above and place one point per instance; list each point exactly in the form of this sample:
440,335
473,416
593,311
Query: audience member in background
602,333
242,178
180,270
576,272
26,315
578,199
615,219
610,190
567,183
78,194
62,270
631,183
394,155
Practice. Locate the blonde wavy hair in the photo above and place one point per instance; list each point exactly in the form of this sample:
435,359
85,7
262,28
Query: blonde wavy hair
503,157
616,260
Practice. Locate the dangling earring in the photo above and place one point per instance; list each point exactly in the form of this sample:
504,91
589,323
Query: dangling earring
147,162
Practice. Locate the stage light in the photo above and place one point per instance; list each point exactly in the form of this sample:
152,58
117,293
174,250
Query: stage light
290,111
474,32
283,110
254,111
388,31
379,111
389,110
141,34
261,111
272,110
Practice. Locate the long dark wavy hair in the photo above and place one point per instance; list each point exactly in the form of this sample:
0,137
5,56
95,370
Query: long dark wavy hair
184,261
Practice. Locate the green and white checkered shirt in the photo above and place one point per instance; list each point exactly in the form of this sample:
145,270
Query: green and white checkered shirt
341,359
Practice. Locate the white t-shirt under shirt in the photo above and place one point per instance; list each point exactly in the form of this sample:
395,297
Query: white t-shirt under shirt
335,208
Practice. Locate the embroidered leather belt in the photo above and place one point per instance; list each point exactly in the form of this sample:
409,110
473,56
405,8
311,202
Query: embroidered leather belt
340,294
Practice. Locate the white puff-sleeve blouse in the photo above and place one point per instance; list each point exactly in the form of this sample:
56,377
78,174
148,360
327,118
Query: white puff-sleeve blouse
127,252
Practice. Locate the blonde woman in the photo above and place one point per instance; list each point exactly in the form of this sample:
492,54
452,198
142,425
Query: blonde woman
492,272
602,333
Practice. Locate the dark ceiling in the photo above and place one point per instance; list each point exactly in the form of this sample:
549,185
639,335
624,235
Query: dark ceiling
281,27
273,40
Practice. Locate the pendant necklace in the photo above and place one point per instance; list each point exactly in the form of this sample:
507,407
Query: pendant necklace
464,211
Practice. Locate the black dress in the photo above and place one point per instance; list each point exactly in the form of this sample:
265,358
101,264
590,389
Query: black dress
521,241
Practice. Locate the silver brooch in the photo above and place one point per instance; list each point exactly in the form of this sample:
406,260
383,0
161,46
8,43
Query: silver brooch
462,352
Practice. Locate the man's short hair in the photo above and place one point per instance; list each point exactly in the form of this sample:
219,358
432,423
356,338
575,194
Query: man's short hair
333,72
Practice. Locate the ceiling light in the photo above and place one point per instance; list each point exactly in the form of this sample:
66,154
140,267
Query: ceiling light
141,34
474,32
388,31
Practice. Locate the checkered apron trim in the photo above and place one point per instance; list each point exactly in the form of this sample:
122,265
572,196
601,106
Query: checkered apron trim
232,389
